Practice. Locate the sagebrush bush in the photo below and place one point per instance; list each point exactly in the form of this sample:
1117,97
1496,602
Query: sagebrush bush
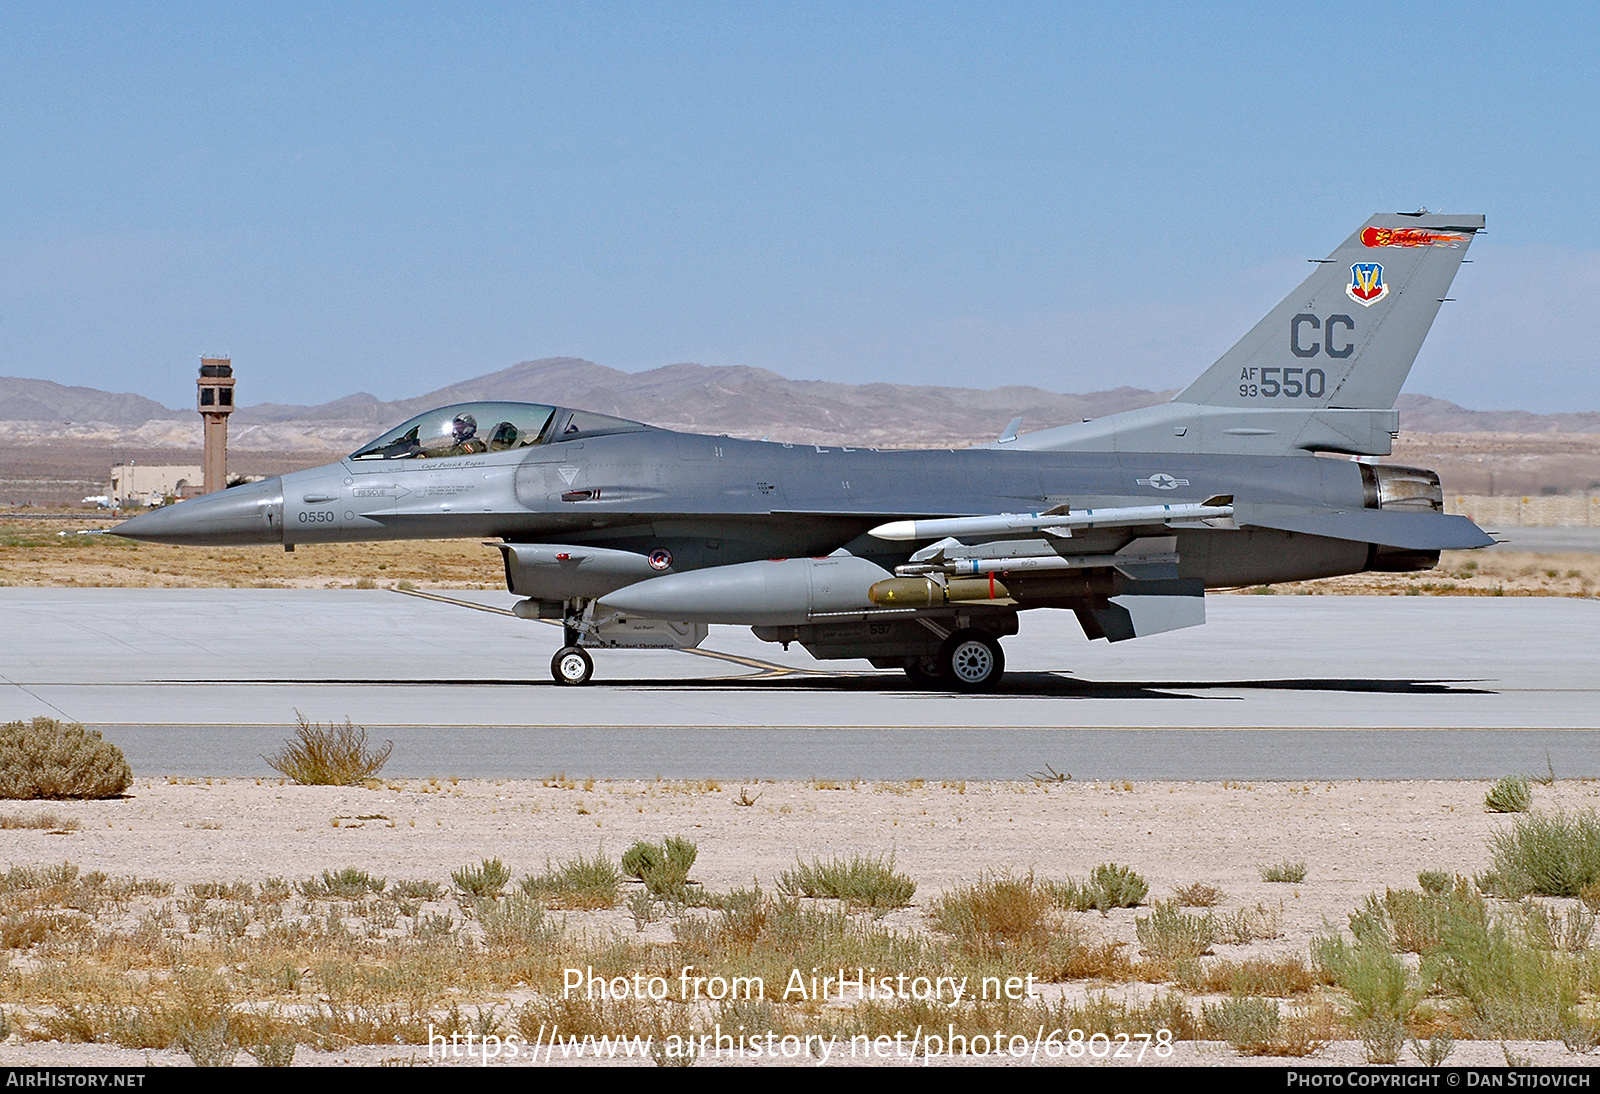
1285,871
1413,921
1511,794
582,884
351,883
484,882
51,760
1247,1022
1548,855
859,880
1435,881
1118,886
662,867
330,755
1108,886
1169,935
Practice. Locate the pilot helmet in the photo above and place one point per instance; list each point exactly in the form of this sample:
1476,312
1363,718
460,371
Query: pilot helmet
464,426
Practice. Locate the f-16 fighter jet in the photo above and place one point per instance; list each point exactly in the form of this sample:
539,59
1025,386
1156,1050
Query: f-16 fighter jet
631,536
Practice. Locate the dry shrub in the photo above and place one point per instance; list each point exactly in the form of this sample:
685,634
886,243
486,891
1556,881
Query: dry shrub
18,932
1248,924
579,1017
1307,1030
1074,957
47,759
1199,895
1101,1013
997,911
42,821
1279,977
330,755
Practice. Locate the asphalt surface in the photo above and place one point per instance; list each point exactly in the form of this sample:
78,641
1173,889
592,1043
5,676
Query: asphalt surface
204,681
1584,541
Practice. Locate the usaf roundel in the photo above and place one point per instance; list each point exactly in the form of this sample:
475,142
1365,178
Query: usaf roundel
1367,285
1163,481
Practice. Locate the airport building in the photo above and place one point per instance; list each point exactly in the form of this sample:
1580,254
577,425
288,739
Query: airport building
141,484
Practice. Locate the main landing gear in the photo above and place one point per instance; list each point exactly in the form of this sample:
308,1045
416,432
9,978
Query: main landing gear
969,660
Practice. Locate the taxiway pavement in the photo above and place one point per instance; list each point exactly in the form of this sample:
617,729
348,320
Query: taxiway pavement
204,681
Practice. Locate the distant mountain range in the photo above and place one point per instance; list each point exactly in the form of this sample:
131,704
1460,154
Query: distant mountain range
740,401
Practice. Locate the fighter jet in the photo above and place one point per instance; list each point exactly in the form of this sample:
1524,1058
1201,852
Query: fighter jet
1263,470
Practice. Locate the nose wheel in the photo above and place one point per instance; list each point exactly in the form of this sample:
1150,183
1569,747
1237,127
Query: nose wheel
571,666
972,661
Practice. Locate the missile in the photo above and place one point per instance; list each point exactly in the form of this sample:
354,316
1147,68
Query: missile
1054,523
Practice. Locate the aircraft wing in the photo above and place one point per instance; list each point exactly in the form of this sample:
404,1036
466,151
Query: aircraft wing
1410,531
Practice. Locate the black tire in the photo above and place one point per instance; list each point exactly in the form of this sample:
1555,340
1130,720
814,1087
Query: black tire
924,672
571,666
971,661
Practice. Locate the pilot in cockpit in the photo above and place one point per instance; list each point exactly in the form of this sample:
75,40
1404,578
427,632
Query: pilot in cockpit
464,435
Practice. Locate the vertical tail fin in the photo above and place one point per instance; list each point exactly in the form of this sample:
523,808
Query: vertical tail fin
1347,337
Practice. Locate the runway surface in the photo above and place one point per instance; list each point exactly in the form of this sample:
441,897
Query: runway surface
204,681
1555,540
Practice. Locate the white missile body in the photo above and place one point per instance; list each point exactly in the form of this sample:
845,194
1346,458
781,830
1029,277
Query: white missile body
1062,524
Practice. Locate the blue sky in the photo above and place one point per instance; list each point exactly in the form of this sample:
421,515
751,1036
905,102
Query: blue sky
392,197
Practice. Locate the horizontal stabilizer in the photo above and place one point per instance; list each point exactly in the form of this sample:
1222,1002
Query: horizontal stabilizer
1411,531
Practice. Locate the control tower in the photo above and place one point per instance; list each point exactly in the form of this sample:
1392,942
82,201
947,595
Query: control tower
216,403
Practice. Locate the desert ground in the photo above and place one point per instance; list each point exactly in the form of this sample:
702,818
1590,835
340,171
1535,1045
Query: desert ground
214,841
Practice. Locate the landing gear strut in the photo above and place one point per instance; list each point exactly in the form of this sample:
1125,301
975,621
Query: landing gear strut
971,661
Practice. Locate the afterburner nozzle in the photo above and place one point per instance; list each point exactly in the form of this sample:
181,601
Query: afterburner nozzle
239,516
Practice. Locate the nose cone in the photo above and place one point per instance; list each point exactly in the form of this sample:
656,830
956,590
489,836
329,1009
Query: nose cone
237,517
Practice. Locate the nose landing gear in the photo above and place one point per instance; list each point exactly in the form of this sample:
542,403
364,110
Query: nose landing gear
571,666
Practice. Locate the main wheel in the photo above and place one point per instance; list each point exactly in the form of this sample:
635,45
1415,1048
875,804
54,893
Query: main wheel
924,672
571,666
972,661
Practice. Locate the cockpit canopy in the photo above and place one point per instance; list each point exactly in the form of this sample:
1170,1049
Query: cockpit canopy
465,429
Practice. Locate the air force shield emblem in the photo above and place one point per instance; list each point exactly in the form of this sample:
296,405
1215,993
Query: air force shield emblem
1367,285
